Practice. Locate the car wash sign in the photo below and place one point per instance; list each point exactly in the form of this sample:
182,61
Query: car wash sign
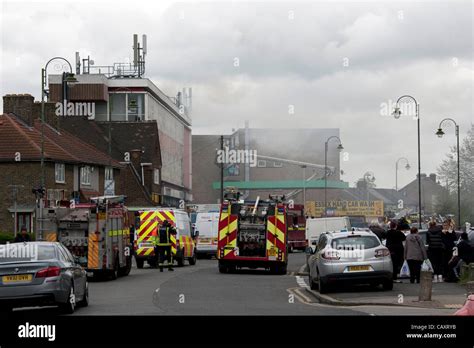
345,208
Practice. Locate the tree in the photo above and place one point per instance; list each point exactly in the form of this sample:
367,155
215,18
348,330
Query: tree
447,173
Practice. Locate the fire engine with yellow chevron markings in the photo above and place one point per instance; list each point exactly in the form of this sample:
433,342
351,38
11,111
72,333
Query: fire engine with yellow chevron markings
252,234
96,233
147,224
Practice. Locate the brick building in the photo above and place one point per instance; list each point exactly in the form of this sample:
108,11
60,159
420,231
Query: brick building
72,168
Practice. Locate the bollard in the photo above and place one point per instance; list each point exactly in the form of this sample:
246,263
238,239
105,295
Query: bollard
426,285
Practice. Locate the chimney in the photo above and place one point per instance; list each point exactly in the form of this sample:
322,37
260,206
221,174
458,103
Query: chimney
49,113
433,177
20,105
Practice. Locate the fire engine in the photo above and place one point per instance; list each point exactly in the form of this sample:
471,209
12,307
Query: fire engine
252,234
148,221
96,233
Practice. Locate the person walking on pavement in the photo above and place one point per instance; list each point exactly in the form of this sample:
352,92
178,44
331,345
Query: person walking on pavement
163,245
449,241
23,236
415,254
394,244
435,250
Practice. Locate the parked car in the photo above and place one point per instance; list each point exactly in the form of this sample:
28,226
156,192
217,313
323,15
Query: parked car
355,256
41,274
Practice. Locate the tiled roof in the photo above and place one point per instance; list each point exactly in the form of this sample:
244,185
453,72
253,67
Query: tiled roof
16,136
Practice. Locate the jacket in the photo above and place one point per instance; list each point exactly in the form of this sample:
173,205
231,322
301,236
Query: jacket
434,239
465,251
163,237
414,248
395,240
449,240
20,238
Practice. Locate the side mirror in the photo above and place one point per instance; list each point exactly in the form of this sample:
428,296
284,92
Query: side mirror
309,250
196,234
314,243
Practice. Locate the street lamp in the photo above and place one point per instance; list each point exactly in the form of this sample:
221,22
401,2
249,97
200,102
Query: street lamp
397,113
66,77
340,148
407,166
440,134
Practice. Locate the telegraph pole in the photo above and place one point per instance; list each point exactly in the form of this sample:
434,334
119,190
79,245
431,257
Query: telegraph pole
222,170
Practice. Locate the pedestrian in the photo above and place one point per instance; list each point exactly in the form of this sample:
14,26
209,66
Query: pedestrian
23,236
394,244
449,239
378,230
415,254
163,245
464,253
435,250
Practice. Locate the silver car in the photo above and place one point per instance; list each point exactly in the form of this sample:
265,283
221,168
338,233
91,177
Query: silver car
39,274
355,256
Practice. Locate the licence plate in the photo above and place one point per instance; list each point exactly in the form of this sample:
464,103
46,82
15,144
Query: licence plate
359,268
18,278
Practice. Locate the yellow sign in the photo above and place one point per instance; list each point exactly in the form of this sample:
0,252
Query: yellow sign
345,208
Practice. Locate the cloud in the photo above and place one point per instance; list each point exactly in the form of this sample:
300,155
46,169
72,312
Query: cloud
334,63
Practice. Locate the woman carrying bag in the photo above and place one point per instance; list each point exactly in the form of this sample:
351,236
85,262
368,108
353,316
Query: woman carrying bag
415,254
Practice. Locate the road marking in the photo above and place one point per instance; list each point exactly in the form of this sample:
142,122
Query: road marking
301,282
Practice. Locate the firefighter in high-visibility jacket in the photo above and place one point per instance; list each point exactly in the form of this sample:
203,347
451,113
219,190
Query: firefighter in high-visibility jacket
163,245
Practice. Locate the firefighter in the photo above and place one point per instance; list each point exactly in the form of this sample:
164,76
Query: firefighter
163,245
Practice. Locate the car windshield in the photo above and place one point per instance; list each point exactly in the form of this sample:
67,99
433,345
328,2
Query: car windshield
19,252
355,242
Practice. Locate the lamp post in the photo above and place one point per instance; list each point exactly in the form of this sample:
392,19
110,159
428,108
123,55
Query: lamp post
407,166
66,77
440,134
304,184
397,113
340,148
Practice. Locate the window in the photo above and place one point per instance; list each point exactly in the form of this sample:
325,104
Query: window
136,107
156,176
117,107
109,173
365,242
59,170
85,175
261,163
277,164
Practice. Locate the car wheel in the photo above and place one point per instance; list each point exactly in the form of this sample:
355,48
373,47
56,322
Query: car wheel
222,268
180,260
322,285
192,260
139,262
85,300
70,305
387,284
114,273
125,270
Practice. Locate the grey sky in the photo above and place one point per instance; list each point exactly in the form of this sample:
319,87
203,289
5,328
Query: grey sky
335,63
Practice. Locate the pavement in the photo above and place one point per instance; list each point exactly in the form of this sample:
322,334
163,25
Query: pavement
202,290
444,295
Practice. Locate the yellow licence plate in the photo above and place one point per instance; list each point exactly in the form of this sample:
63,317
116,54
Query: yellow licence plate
358,268
19,278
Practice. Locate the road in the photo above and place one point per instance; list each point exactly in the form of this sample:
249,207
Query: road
202,290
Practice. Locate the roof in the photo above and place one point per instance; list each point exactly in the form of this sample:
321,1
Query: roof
126,136
17,136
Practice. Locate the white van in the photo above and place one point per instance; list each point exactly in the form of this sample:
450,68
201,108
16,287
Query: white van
207,224
316,226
